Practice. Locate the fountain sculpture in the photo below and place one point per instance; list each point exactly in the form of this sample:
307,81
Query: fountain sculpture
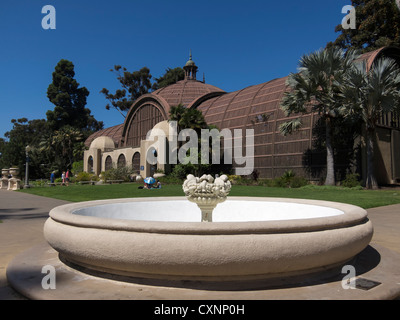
207,193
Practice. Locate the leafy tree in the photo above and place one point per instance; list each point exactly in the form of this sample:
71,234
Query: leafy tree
170,77
134,85
316,88
24,132
65,145
377,25
369,94
70,101
193,119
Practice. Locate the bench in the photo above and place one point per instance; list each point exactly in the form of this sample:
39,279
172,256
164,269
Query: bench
114,181
87,182
53,184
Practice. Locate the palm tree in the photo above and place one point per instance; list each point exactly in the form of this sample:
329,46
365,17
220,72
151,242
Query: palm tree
63,144
369,93
193,119
176,114
316,88
187,118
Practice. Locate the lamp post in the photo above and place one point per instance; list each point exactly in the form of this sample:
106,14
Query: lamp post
27,150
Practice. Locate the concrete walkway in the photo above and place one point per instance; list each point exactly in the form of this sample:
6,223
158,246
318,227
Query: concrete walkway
23,217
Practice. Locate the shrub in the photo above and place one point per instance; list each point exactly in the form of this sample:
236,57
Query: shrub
255,175
181,171
77,167
289,180
83,176
351,181
298,182
170,179
235,179
118,174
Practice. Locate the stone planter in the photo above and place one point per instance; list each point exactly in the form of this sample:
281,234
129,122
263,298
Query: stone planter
5,173
14,172
4,179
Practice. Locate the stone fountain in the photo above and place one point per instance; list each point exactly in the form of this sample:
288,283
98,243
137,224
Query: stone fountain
210,242
257,241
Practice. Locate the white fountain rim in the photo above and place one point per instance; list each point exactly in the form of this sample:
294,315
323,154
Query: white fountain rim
351,215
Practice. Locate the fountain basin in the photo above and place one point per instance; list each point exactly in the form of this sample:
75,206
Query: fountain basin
250,238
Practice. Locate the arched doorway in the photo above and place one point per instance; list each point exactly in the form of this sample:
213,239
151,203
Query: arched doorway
108,164
90,164
121,161
136,163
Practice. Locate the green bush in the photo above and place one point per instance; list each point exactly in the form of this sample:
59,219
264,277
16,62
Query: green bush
170,179
181,171
77,167
38,183
279,183
289,180
83,176
351,181
118,174
298,182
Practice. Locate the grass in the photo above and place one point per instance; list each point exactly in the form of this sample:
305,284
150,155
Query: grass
362,198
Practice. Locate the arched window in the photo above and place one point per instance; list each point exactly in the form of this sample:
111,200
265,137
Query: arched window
90,164
121,161
145,118
136,162
108,165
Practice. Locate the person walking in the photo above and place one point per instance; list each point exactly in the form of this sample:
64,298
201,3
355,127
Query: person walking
52,177
63,178
67,174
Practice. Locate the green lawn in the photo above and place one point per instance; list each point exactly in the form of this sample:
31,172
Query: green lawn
363,198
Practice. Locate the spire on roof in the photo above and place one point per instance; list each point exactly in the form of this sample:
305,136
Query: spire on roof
190,68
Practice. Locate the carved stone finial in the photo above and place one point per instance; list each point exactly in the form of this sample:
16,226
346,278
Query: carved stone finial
207,192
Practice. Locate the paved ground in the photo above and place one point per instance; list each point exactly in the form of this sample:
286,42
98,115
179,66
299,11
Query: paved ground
23,216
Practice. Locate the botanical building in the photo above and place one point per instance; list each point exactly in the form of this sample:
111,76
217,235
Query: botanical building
256,107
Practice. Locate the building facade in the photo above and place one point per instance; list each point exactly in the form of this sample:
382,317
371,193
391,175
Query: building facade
256,107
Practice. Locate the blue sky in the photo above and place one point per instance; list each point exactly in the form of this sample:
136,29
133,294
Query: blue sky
235,43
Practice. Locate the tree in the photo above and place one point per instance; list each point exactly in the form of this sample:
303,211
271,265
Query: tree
65,145
377,25
134,85
187,118
24,132
369,94
316,88
190,119
170,77
70,101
